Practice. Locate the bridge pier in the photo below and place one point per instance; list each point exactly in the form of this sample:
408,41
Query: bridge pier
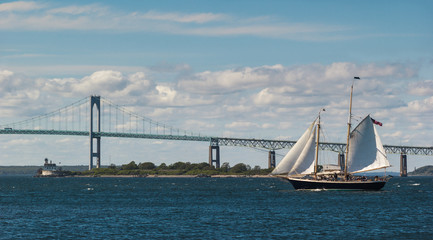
403,165
214,147
215,160
271,159
95,101
341,161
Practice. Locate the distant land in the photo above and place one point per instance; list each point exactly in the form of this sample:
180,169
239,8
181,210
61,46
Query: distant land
31,170
422,171
143,169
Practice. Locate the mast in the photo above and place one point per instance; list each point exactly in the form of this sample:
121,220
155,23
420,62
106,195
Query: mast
317,146
349,125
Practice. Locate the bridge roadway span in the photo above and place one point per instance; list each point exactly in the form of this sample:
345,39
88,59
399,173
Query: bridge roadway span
218,141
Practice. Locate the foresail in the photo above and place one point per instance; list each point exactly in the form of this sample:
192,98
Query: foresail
287,163
305,162
366,152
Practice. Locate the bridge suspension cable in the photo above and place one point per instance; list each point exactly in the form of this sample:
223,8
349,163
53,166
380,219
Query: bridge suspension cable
75,117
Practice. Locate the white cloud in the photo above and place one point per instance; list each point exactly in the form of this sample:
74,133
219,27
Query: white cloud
99,17
165,95
423,88
229,80
239,108
241,125
159,113
23,141
79,10
19,6
105,82
396,134
181,17
421,106
305,79
268,125
267,101
198,125
101,81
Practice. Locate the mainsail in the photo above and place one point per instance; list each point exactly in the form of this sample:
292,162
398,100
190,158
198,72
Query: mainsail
366,152
300,159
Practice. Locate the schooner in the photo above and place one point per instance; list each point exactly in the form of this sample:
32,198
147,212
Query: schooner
364,152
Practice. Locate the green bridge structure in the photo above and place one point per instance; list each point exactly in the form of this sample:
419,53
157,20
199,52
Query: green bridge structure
85,118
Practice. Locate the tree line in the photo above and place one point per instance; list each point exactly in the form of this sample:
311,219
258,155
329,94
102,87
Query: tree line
178,168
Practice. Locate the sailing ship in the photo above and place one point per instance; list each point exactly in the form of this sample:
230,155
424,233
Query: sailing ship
364,152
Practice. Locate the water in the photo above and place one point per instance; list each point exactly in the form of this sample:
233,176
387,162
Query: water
210,208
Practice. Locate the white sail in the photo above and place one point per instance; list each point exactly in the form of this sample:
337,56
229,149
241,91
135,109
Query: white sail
366,152
305,162
291,159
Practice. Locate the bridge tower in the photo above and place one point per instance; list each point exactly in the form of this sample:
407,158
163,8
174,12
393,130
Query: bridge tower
95,101
271,159
214,146
341,160
403,164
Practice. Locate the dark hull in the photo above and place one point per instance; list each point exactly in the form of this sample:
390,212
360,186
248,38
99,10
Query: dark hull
300,184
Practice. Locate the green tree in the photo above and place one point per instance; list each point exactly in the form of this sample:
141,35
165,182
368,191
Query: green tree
204,166
239,168
178,165
146,166
163,166
130,166
225,167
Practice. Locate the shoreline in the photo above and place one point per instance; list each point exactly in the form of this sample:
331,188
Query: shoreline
171,176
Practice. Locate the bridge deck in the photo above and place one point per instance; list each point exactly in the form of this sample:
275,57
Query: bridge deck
217,141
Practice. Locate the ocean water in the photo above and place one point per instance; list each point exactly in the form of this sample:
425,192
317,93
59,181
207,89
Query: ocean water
210,208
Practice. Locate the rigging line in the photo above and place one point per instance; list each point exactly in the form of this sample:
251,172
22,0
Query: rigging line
265,150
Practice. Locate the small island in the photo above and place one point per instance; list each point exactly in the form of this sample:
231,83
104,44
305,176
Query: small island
422,171
186,169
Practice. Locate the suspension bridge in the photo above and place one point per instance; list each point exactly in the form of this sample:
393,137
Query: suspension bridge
96,117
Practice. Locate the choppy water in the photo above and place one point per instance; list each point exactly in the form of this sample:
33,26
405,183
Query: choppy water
210,208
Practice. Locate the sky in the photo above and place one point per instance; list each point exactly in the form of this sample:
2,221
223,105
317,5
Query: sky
245,69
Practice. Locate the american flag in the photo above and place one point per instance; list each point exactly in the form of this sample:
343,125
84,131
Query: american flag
376,122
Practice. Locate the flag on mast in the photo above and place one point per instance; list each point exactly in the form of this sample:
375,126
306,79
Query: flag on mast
376,122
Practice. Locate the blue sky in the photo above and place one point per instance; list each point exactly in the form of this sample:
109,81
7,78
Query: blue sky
227,68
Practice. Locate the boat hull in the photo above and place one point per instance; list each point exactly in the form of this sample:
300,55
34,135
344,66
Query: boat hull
308,184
